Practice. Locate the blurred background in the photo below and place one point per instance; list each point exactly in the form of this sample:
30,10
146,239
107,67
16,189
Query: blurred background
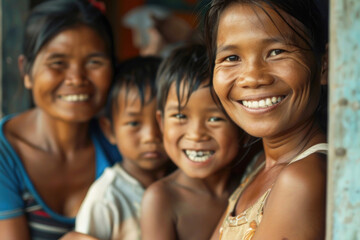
146,27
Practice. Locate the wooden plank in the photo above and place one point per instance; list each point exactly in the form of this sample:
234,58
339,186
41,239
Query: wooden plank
12,24
343,208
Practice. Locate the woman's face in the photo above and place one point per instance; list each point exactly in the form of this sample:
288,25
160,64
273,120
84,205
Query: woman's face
265,75
71,75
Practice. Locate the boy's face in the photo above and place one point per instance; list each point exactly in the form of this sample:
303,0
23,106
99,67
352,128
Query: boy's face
200,139
136,132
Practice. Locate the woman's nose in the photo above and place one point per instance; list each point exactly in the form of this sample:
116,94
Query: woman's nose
76,76
254,74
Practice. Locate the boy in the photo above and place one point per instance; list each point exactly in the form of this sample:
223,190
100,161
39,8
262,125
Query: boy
111,207
202,141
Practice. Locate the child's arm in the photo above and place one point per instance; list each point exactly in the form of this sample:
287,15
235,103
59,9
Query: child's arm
216,232
77,236
157,216
296,205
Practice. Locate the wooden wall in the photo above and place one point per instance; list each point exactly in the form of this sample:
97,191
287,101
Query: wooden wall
344,128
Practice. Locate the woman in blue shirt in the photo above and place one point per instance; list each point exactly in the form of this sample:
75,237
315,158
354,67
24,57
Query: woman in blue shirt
52,153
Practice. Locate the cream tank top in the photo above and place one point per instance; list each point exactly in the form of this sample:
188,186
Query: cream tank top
243,226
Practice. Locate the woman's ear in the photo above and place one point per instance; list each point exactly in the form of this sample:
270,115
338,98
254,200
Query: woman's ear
25,76
107,129
160,120
325,67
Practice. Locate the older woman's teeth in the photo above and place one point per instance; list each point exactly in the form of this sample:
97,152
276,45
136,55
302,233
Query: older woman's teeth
75,97
198,156
263,103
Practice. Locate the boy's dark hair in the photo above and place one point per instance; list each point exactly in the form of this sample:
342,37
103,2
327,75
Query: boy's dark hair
50,18
187,67
139,72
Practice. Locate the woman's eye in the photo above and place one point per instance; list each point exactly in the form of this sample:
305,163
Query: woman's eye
133,123
58,64
215,119
93,63
232,58
276,52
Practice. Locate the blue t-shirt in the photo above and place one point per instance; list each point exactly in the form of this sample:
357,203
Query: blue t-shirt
18,195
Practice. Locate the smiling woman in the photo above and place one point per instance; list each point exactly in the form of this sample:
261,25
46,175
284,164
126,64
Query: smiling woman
50,155
268,61
80,73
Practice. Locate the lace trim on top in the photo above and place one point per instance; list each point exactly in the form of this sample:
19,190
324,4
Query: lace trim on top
242,218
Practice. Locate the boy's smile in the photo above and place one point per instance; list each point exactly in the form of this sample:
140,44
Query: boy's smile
200,139
199,155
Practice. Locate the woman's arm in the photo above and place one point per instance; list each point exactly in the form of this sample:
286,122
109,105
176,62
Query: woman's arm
297,203
14,229
157,215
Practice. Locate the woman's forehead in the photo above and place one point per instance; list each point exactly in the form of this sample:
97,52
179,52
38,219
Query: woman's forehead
274,22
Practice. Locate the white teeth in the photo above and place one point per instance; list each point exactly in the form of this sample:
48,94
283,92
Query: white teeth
198,156
75,97
263,103
268,102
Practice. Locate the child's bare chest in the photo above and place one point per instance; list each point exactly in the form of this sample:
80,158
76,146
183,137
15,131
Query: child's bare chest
198,215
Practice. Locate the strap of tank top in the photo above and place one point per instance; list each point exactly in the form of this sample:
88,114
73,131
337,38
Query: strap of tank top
321,148
235,197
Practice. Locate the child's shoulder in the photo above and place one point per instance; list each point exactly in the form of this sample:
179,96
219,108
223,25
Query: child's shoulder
163,188
114,181
160,198
164,192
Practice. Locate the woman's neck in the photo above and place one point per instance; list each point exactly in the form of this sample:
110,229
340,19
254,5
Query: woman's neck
285,146
56,135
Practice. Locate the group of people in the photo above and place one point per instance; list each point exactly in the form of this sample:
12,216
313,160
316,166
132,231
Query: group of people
218,140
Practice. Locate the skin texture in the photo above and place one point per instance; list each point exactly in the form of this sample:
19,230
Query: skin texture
137,135
77,236
188,203
258,60
52,140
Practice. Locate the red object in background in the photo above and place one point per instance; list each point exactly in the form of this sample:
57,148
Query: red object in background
99,5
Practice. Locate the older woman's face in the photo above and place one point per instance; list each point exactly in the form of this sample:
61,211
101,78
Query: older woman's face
71,75
264,73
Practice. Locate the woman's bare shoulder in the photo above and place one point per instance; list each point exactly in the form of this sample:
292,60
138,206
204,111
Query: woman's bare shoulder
297,201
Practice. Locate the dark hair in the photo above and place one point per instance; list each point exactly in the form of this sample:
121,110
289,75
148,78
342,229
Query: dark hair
52,17
305,11
139,72
187,64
